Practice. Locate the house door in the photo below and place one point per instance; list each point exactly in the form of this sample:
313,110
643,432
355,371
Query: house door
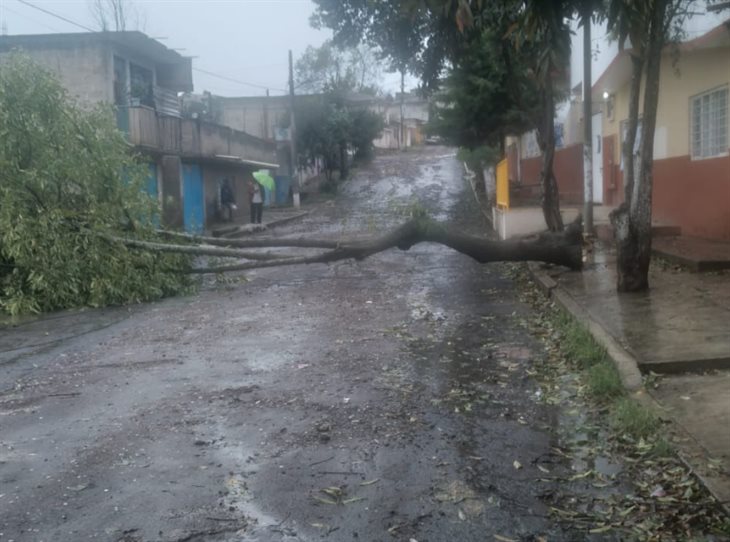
597,124
151,185
193,203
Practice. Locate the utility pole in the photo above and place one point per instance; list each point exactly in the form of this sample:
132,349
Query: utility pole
587,125
292,136
401,138
266,115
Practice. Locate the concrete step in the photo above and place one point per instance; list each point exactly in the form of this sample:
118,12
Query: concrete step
605,231
696,254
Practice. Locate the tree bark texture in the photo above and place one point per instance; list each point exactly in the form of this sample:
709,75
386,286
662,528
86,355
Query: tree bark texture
633,229
559,249
546,140
627,253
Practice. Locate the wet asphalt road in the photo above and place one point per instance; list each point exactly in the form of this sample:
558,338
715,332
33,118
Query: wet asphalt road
383,400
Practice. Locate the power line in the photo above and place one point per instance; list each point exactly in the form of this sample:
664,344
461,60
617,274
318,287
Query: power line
232,80
212,74
56,15
31,19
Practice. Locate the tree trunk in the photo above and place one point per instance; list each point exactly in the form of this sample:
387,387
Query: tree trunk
546,139
401,137
633,227
343,161
627,255
564,248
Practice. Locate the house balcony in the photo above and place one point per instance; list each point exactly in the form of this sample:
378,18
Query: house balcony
157,133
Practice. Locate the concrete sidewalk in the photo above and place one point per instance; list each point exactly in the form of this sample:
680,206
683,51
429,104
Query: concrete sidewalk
680,330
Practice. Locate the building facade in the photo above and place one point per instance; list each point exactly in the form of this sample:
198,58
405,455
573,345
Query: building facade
691,168
189,159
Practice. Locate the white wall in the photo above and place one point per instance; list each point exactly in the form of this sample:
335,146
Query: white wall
604,51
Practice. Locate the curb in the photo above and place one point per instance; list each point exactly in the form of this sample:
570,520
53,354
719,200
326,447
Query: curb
626,364
690,452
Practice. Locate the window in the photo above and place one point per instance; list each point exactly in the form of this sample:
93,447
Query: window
709,123
141,85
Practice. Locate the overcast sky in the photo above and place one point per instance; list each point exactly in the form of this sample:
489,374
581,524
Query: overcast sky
244,40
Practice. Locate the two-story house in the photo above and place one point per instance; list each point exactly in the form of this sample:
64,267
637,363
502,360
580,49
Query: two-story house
190,160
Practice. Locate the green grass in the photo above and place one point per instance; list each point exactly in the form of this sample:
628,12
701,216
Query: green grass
634,420
578,344
603,381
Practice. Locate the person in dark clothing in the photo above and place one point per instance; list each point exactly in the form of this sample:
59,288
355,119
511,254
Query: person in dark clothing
256,199
228,201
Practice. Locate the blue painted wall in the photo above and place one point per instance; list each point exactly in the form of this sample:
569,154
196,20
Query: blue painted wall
193,199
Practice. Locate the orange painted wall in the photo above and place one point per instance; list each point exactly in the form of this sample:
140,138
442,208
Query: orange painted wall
568,168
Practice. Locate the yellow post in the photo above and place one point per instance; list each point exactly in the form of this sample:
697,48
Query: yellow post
503,185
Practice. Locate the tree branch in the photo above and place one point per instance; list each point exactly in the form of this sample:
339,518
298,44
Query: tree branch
557,249
301,242
196,250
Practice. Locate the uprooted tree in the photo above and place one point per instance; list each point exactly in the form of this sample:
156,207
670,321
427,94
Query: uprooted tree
66,180
76,227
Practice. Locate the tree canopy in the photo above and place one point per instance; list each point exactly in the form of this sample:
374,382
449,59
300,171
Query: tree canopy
330,68
67,182
489,93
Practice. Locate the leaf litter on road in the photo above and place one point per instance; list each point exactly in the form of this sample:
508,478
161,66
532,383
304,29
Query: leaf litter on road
650,496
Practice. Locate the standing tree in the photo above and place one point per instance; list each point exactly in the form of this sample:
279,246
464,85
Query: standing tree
425,37
488,93
327,67
329,126
648,25
115,15
545,26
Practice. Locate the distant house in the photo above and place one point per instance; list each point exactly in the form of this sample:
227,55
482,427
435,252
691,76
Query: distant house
415,117
190,160
262,116
691,144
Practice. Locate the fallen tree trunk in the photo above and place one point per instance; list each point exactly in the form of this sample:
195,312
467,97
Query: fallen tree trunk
560,249
301,242
195,250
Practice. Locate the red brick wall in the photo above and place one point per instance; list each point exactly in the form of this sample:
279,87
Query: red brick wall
530,170
693,194
568,168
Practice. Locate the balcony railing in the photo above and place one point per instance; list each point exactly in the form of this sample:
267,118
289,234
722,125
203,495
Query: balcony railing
155,132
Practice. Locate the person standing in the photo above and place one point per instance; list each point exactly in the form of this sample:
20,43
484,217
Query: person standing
228,201
256,198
